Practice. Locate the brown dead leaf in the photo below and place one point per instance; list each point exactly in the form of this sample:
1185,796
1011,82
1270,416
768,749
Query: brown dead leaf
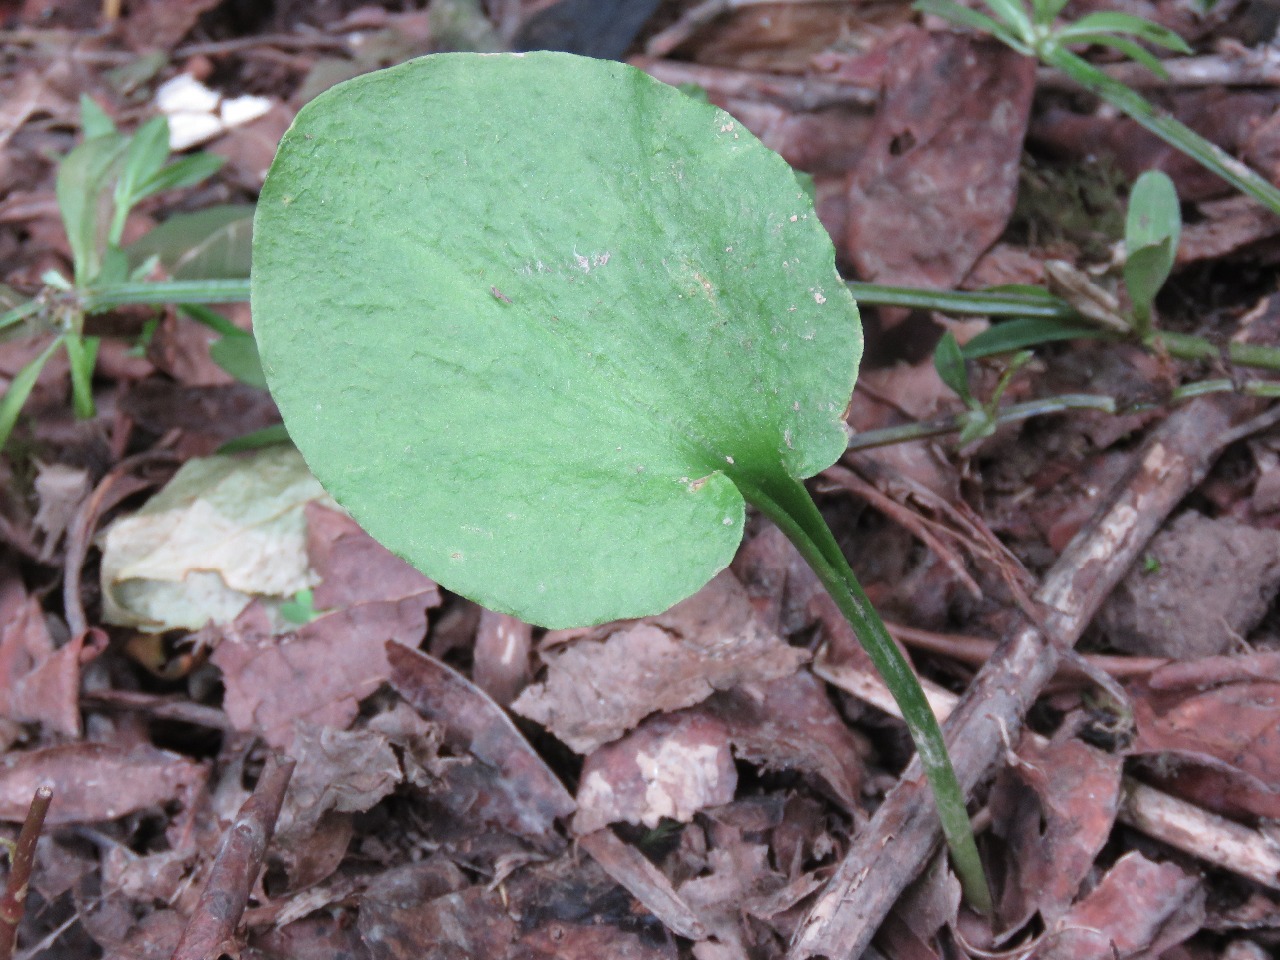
1055,807
160,24
315,677
425,912
1140,908
1224,741
671,766
941,166
354,568
507,783
94,782
38,682
571,941
599,688
791,724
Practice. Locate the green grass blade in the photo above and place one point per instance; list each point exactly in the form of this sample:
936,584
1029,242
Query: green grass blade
1110,21
1027,332
993,303
82,352
17,314
1164,126
20,388
974,19
266,437
169,291
1130,48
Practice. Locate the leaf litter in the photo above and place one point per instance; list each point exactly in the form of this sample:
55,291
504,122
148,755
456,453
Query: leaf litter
700,747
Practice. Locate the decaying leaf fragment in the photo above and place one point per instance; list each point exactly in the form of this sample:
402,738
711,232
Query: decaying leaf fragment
602,686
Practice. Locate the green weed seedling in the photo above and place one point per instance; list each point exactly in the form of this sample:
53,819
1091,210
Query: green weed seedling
545,326
98,183
1034,31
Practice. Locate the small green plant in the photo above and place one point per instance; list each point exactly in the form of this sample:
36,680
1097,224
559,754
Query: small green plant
548,356
98,183
1034,32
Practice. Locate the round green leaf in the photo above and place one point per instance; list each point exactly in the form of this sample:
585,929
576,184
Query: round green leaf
528,317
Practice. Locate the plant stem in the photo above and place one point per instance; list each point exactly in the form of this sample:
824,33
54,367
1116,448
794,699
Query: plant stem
1164,126
790,507
166,291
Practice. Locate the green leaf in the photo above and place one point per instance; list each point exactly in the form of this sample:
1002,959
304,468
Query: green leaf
1028,332
84,193
1014,14
535,351
1152,229
143,158
238,355
210,244
1130,48
974,19
20,388
1111,21
949,362
94,122
184,172
82,353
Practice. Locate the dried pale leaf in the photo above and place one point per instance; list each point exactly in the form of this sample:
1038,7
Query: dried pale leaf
225,530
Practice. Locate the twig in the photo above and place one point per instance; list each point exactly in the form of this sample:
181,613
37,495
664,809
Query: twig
900,837
211,930
1175,822
975,651
793,93
691,21
111,489
21,858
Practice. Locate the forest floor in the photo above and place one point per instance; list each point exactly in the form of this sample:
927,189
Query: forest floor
732,787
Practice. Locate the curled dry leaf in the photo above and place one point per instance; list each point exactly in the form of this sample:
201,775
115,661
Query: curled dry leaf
1054,806
38,682
507,784
598,689
1141,908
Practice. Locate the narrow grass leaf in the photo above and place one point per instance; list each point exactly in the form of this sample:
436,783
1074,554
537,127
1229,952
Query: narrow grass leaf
20,388
1014,335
